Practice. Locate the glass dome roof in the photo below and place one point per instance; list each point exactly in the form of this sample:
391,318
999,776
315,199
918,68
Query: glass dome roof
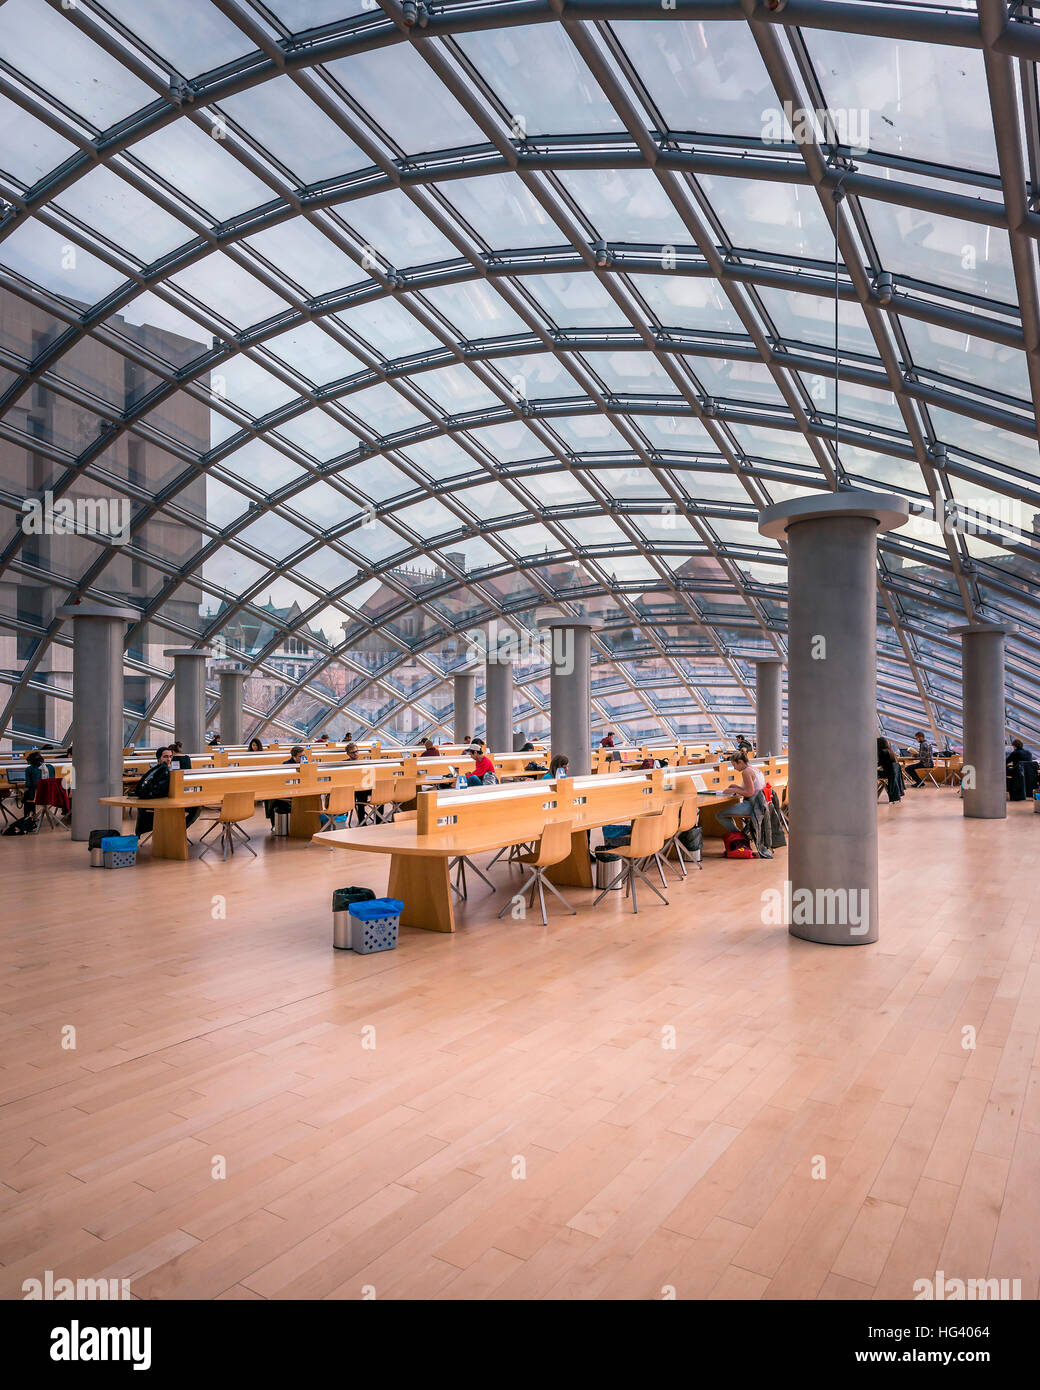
335,333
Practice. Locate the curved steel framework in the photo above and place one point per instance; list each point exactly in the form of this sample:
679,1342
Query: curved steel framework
419,318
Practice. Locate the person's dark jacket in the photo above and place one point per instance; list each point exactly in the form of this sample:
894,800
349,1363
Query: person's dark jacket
890,770
762,824
1021,774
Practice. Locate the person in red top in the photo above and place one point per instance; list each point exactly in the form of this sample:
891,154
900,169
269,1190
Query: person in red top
607,741
482,766
430,749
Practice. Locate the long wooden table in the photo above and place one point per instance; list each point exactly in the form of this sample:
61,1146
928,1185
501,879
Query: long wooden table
483,820
304,786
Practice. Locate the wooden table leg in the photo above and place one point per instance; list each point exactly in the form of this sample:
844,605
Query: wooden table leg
421,883
304,817
169,834
576,870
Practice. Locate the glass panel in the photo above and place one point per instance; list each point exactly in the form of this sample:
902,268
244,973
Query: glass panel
396,230
783,218
401,95
702,77
284,120
40,42
31,149
918,100
964,256
540,79
502,212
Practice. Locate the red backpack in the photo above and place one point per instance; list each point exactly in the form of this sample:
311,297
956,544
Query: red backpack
738,846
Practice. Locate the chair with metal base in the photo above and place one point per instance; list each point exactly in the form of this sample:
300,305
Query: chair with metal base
552,848
338,802
234,807
688,817
458,866
670,815
647,841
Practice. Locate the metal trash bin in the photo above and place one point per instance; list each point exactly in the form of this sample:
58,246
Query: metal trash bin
342,899
607,870
97,858
280,824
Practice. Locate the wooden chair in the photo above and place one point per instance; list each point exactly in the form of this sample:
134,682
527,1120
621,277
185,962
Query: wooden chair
338,802
234,807
647,841
670,815
688,817
552,848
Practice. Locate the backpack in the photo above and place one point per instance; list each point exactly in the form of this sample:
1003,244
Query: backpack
489,779
146,789
23,826
738,846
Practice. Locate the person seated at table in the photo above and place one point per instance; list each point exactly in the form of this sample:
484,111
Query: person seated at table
925,759
214,738
475,747
646,765
156,784
282,807
607,741
890,770
179,756
255,746
750,784
557,768
35,773
1021,771
528,747
483,773
323,738
744,744
430,749
361,798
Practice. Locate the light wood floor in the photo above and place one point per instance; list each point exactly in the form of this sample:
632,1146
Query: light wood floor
519,1129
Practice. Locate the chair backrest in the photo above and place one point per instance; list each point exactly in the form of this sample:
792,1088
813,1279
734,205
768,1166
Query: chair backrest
236,806
341,799
647,834
670,816
688,814
555,843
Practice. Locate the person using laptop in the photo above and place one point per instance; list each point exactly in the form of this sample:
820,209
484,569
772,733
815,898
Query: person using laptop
750,784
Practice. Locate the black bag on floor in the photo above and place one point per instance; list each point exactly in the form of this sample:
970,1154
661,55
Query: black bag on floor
693,839
343,897
779,837
25,825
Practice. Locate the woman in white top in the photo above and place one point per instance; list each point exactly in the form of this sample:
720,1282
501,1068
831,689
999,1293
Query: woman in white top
751,782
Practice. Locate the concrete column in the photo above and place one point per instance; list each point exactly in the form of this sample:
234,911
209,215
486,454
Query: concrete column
498,701
464,713
570,691
769,705
98,635
984,789
831,538
231,683
189,696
